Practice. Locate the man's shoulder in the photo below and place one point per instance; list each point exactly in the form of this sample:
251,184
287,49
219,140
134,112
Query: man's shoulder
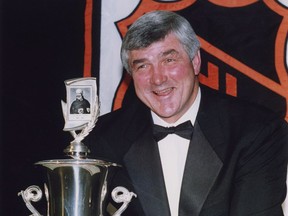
115,131
124,116
227,106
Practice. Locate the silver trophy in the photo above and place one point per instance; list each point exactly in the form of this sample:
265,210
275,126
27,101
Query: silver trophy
78,186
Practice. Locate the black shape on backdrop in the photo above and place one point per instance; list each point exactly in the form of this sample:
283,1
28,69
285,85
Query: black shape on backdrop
247,34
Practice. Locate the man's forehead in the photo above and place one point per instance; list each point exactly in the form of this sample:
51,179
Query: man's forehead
139,57
161,47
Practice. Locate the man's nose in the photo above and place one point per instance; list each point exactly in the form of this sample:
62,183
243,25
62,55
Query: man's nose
158,76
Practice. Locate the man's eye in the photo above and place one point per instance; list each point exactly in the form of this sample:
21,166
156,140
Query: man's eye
168,60
140,67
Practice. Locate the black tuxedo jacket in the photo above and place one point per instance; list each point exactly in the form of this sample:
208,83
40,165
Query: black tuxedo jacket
236,163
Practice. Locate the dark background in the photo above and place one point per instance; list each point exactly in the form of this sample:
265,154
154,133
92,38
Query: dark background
42,44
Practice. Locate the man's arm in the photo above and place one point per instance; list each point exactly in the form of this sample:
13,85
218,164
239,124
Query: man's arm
260,181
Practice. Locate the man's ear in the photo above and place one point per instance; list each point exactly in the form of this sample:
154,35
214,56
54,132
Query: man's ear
196,62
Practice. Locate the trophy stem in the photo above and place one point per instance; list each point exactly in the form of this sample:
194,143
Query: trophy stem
77,150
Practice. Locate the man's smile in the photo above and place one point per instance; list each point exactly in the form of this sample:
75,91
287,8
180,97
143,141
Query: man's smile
163,92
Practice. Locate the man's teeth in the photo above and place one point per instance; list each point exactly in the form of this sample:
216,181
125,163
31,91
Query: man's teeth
163,92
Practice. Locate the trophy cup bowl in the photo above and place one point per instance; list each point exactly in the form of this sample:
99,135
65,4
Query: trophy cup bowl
78,186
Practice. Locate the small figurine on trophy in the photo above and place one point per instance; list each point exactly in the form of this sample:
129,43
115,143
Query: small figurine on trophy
79,185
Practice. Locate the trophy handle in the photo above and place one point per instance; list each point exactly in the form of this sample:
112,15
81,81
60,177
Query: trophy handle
32,193
122,195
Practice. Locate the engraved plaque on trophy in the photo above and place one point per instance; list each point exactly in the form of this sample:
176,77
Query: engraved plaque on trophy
78,186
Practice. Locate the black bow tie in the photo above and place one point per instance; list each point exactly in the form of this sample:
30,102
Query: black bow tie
184,130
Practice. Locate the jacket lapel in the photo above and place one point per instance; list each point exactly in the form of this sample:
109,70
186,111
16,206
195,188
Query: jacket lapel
142,161
201,170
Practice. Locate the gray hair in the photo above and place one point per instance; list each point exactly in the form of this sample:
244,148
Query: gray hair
153,27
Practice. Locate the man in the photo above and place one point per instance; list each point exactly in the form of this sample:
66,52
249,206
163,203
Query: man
235,161
80,105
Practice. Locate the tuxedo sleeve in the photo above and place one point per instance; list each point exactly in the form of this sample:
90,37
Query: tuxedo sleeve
259,186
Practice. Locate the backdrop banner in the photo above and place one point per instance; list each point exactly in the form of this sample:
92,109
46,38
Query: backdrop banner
243,47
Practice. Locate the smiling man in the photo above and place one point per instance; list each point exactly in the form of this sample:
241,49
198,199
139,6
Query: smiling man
185,149
164,77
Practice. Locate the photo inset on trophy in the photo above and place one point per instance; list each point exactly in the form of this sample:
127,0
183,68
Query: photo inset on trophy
81,105
79,101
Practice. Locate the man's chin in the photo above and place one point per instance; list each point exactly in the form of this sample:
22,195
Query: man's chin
168,117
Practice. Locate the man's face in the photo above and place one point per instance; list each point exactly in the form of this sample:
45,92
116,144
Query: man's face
164,77
79,96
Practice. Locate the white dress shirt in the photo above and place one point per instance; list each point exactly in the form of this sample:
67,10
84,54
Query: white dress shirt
173,152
